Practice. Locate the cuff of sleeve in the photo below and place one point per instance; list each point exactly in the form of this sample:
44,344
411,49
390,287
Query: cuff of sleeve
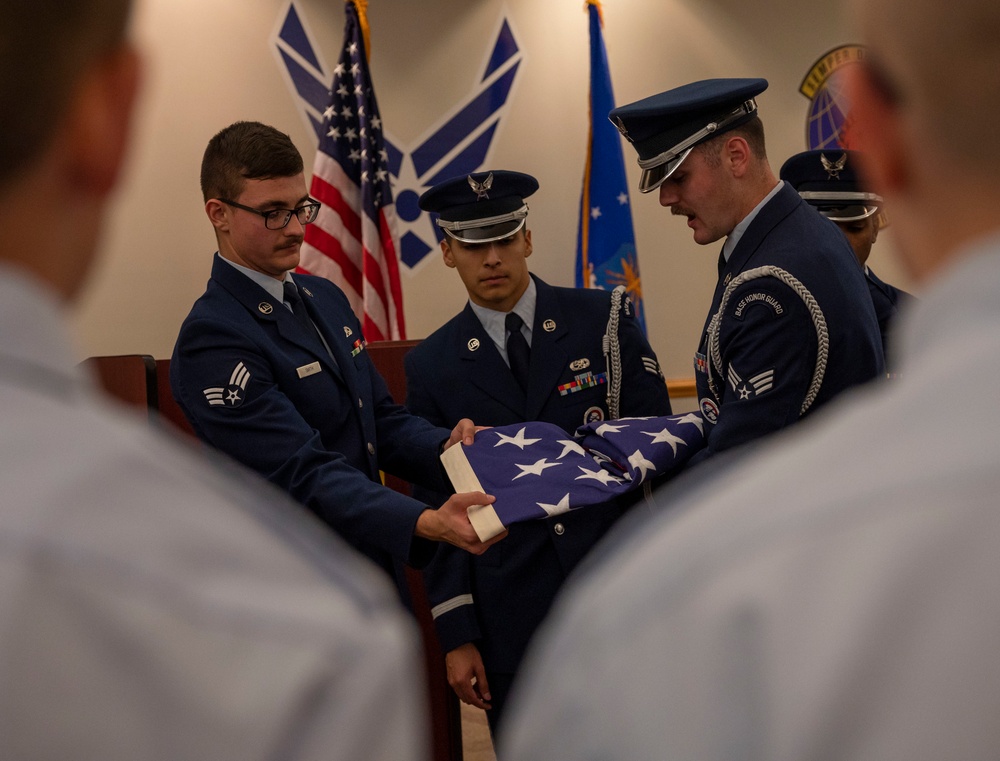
458,625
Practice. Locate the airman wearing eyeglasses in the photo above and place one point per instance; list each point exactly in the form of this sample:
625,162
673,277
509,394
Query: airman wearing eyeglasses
271,368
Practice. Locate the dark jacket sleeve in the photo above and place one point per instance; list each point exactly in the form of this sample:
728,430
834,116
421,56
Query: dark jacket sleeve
269,434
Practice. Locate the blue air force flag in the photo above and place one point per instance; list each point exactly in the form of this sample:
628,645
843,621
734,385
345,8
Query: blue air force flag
537,470
605,251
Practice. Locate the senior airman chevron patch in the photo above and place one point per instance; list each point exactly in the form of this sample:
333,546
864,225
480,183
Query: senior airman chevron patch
755,386
652,366
232,394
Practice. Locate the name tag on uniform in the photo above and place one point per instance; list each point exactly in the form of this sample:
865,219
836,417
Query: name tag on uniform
311,369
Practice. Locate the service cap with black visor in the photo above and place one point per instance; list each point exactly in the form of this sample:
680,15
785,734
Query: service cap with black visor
665,128
481,207
828,180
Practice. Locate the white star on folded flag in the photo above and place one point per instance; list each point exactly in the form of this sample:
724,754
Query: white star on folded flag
517,439
570,446
604,476
610,459
558,509
535,470
666,437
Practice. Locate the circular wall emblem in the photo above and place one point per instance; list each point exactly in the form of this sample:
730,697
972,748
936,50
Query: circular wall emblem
828,123
265,308
593,415
709,410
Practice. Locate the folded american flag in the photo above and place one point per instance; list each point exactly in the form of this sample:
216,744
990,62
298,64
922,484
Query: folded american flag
536,470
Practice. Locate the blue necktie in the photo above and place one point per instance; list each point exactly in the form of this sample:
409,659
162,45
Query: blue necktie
518,352
293,299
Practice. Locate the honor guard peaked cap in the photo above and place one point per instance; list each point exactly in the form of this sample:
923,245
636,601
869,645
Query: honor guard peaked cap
665,128
828,180
481,207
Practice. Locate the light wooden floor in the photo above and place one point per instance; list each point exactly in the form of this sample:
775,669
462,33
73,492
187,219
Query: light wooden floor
476,742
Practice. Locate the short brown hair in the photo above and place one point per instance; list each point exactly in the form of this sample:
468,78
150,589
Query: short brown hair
246,151
44,45
752,131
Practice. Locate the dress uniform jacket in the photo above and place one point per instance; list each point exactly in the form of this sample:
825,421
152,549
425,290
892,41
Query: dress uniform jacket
498,599
256,385
768,346
888,300
833,597
153,606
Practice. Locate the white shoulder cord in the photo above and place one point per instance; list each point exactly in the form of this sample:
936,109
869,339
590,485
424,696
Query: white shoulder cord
613,353
613,359
819,321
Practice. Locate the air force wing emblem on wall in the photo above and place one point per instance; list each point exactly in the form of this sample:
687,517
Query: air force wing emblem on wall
233,394
459,143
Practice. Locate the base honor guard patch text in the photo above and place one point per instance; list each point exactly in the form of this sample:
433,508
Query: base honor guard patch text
233,394
758,298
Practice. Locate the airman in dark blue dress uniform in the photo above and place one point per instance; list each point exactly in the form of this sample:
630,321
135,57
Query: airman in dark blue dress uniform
272,370
829,181
486,608
791,323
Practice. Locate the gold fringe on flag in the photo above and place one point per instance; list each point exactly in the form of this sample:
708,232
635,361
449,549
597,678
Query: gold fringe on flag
600,10
362,8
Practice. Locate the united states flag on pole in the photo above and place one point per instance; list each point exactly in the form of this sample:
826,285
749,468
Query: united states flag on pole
605,252
536,470
353,241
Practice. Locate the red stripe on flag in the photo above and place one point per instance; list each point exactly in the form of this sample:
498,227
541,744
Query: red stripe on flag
329,246
331,197
392,269
371,330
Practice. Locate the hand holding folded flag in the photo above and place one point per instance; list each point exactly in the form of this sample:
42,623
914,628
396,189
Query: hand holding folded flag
537,470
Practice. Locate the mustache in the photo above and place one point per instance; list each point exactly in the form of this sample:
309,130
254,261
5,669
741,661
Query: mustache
678,211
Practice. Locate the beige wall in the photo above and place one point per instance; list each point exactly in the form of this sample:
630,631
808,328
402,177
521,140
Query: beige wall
211,63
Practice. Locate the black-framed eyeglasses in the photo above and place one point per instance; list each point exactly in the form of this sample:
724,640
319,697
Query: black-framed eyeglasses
278,219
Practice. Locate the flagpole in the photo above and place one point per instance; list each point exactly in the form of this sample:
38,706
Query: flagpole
584,278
